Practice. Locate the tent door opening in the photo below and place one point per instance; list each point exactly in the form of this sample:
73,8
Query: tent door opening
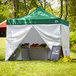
30,49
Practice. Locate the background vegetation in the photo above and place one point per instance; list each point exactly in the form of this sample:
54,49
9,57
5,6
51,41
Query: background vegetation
66,9
17,8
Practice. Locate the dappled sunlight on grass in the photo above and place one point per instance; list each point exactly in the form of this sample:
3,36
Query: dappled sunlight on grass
2,42
2,54
37,68
73,54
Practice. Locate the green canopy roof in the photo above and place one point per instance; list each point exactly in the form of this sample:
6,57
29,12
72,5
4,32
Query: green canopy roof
38,16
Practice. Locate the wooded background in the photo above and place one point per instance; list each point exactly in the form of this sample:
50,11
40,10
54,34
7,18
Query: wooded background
66,9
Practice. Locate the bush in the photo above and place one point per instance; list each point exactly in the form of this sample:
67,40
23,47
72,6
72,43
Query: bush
72,38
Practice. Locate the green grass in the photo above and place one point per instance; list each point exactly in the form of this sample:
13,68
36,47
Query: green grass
36,68
2,42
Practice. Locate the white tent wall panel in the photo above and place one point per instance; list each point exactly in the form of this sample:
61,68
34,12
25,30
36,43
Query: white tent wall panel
15,34
65,39
50,34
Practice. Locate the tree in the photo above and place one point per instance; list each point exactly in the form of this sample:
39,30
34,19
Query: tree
17,5
49,4
72,14
44,4
66,10
14,6
4,14
61,14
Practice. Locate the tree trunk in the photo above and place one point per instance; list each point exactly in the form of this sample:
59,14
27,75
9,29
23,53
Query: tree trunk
44,4
61,9
66,10
25,10
13,15
14,10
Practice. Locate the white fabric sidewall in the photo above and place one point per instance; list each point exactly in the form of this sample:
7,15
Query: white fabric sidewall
65,39
15,34
50,33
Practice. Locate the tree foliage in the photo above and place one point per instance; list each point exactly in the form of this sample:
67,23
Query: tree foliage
4,14
18,8
72,14
67,12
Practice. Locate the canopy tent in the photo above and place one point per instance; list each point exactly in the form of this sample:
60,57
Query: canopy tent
37,27
3,29
3,26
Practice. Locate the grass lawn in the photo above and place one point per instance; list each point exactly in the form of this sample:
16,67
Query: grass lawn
35,68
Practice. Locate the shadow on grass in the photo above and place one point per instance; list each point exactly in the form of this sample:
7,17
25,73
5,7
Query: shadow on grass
73,60
73,51
41,61
2,54
2,59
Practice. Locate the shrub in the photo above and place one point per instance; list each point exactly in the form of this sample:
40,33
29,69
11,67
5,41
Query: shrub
72,38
